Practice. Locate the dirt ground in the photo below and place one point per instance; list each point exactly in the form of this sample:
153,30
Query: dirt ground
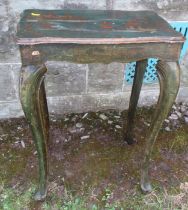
91,167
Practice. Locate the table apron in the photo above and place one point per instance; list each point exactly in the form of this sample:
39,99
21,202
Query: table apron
79,53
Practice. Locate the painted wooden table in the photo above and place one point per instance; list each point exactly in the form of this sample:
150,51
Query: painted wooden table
93,36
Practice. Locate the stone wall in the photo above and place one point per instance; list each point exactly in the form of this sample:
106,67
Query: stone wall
71,87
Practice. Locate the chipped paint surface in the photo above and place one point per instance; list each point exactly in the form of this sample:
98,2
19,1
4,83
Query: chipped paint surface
94,27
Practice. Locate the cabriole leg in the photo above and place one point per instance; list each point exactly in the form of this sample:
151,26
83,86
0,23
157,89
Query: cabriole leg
33,100
169,78
137,84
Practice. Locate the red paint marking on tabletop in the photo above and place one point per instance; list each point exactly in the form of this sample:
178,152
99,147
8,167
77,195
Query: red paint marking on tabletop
106,25
132,24
45,25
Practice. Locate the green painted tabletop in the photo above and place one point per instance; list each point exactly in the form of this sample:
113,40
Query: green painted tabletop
94,27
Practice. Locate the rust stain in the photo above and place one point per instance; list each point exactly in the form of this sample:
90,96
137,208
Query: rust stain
29,27
132,24
106,25
45,25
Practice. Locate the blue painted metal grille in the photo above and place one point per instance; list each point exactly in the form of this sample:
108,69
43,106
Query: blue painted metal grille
150,73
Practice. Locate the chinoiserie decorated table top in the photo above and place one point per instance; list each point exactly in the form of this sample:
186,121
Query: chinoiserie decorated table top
94,27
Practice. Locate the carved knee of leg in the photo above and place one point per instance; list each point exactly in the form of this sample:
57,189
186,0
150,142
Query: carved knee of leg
169,78
30,80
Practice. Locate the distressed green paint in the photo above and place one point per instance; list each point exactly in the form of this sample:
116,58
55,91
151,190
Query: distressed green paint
77,53
94,24
64,35
33,100
169,78
137,84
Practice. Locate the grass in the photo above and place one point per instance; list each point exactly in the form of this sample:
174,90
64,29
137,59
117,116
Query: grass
11,199
159,199
107,181
179,143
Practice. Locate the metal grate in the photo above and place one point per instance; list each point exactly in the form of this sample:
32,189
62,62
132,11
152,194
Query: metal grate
150,74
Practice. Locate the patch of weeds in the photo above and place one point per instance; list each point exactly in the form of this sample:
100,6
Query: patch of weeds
179,143
63,200
181,200
70,202
156,201
10,199
162,200
133,203
106,197
74,204
106,201
66,204
159,199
